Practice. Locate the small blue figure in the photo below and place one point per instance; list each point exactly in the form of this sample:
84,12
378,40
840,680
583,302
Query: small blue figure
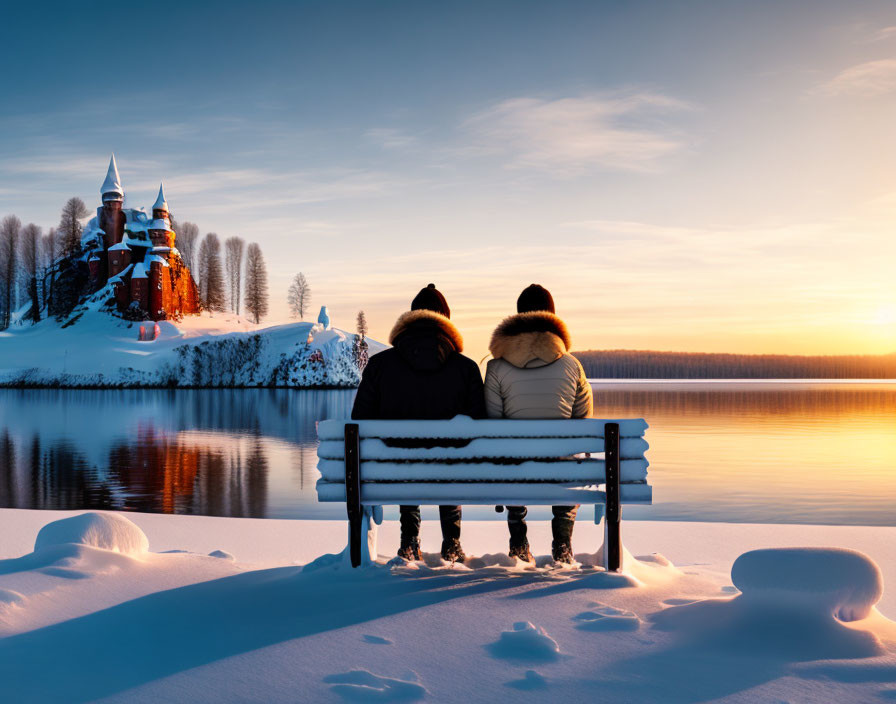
324,318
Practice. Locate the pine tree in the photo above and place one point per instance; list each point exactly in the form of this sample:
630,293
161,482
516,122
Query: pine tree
73,212
10,231
211,278
233,263
362,324
299,296
256,283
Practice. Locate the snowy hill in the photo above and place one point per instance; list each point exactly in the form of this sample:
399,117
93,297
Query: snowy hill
93,348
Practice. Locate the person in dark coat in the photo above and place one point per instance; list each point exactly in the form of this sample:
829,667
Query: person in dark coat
423,376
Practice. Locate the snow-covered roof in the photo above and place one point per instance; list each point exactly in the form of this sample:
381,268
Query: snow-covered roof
118,247
160,203
139,271
112,185
117,278
159,224
135,215
153,259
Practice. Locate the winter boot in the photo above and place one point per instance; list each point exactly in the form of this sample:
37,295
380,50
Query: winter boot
561,551
410,549
520,550
452,551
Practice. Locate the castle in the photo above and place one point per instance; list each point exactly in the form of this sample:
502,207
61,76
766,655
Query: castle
135,253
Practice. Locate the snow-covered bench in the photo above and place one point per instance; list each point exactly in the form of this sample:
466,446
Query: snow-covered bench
372,463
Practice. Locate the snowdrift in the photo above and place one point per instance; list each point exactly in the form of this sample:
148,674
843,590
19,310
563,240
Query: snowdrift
95,349
114,622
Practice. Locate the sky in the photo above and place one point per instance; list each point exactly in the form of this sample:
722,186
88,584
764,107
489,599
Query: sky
694,176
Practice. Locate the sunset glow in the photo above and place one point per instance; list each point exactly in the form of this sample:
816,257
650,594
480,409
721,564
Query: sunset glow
738,196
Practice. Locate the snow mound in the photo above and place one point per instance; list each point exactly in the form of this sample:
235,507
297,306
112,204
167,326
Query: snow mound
364,686
526,642
607,618
107,531
842,582
222,555
10,598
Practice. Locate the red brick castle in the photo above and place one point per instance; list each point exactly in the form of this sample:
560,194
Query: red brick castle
139,258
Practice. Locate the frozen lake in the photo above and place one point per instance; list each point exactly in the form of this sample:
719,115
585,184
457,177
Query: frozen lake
720,451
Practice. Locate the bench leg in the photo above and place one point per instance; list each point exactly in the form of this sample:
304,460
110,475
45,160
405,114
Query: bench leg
353,492
612,523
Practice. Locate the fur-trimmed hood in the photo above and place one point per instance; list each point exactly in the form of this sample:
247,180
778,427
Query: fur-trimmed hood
425,339
530,339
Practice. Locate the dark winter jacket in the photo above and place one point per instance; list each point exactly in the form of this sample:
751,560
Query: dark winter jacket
422,376
533,375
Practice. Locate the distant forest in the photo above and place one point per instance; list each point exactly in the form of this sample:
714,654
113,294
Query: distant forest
647,364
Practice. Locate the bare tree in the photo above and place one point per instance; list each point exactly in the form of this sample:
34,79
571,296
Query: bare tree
362,324
31,237
233,264
10,231
256,283
299,296
49,252
73,212
186,242
211,278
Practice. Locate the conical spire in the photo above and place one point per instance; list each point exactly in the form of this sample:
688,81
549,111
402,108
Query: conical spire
111,188
160,203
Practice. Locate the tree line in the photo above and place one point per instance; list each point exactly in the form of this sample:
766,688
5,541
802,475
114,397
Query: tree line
647,364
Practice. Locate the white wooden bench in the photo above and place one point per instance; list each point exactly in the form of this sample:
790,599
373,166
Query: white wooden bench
371,463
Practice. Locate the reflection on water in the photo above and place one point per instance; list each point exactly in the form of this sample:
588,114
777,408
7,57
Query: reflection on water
749,452
207,452
765,452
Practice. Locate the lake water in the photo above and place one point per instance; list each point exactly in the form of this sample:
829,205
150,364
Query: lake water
720,451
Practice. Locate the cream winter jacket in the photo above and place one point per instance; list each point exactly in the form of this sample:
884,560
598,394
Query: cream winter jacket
533,375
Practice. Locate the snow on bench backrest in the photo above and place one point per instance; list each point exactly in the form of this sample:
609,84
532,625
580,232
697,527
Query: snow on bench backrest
465,427
478,461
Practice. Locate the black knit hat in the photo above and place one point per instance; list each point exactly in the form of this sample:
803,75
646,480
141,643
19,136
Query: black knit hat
430,298
535,298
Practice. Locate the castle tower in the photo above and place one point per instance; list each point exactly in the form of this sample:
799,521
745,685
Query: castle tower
160,229
111,220
160,207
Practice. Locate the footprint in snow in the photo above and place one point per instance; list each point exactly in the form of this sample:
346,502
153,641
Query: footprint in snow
607,618
378,640
364,686
532,680
680,601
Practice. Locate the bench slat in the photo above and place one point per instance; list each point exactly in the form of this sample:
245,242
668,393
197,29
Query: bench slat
481,448
481,493
465,427
563,471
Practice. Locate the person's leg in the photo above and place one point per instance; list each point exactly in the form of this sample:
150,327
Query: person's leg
451,550
516,524
450,517
410,532
561,527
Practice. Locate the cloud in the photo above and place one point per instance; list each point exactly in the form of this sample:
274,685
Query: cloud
620,132
391,138
884,33
871,78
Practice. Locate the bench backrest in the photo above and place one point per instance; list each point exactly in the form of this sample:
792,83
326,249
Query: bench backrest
483,461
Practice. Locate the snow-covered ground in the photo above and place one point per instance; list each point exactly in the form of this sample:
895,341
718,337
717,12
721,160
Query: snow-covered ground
237,618
95,348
